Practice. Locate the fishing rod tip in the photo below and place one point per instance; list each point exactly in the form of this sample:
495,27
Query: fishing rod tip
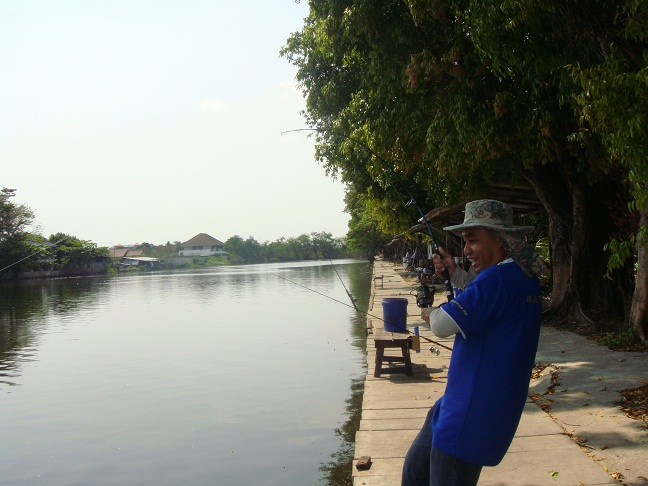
299,130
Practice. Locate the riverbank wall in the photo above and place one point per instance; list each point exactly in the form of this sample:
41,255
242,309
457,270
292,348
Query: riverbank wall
91,270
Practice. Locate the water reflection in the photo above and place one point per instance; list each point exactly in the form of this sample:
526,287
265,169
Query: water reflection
338,470
27,309
166,378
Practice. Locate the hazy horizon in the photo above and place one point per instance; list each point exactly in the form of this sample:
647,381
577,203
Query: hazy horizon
125,122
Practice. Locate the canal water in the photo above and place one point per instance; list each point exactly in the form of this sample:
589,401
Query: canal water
228,375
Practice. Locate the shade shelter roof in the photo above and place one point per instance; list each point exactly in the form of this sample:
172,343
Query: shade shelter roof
521,197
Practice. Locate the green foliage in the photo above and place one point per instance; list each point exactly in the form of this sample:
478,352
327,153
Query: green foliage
212,261
68,251
461,95
621,341
456,94
166,251
147,249
22,252
316,246
16,244
620,252
422,83
365,235
611,106
14,218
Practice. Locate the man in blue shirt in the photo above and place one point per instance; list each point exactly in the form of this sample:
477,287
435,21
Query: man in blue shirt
496,323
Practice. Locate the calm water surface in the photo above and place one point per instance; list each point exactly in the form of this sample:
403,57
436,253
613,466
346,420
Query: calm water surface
230,376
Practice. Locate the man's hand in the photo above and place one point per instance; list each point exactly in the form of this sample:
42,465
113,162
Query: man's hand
425,313
443,262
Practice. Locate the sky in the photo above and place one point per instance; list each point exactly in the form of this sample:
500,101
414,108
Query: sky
131,121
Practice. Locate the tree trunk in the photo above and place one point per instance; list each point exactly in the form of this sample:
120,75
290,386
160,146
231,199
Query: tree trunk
580,224
565,236
638,317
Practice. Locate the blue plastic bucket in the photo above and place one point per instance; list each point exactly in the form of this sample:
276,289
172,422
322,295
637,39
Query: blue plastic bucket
395,314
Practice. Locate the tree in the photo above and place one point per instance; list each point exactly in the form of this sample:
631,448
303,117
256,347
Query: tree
364,233
71,252
323,245
248,250
612,106
317,245
14,218
16,244
604,141
460,95
234,247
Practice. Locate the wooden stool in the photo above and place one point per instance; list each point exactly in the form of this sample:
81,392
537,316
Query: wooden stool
402,340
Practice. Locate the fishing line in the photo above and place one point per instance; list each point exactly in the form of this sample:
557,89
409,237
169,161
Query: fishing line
327,296
412,201
359,310
42,250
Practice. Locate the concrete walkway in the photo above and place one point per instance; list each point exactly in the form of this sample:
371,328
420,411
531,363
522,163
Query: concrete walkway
542,452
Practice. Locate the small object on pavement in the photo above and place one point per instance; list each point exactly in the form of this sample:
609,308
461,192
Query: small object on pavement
364,462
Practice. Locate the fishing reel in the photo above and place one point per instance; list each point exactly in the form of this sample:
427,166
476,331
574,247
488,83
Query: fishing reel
424,297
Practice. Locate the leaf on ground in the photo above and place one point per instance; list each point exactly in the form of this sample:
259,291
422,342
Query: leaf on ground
634,403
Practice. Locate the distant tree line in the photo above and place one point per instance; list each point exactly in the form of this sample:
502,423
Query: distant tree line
22,250
316,246
313,246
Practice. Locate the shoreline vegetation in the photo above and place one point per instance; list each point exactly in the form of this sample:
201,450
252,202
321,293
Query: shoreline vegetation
63,256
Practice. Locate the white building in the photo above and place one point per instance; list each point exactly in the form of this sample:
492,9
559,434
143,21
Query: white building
202,245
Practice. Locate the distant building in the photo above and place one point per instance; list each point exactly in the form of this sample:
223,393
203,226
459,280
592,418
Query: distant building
124,252
202,245
129,257
147,262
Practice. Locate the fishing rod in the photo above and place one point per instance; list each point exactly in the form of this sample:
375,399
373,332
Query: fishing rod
436,343
342,282
412,201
